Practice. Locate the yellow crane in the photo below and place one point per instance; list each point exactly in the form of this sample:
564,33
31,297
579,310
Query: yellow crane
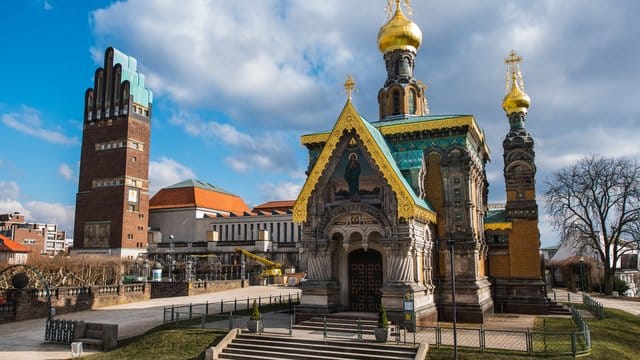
272,268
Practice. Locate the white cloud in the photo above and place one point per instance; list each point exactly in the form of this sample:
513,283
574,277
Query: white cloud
36,211
280,191
66,172
51,213
269,150
47,5
251,58
28,121
167,172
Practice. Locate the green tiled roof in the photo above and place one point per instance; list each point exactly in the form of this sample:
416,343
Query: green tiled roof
199,184
382,143
141,95
412,119
495,216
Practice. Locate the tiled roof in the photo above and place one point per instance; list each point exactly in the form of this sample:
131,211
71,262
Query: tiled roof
281,205
495,216
195,193
9,245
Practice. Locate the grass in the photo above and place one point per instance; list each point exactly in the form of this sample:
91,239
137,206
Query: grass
615,337
164,342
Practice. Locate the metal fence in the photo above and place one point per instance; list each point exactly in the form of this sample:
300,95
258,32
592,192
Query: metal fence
540,343
59,331
594,307
519,341
277,313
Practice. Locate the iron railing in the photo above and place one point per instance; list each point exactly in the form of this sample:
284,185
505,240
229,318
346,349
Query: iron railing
59,331
594,307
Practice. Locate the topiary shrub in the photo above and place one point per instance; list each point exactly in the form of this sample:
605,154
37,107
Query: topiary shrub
383,322
255,314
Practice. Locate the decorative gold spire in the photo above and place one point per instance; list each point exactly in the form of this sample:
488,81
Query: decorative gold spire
516,100
349,86
399,32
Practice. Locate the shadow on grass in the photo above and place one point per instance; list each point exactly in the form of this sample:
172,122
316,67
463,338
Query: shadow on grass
164,342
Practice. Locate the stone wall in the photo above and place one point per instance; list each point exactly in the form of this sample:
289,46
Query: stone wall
172,289
32,303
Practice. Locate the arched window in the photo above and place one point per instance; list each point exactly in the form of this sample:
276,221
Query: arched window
396,102
412,101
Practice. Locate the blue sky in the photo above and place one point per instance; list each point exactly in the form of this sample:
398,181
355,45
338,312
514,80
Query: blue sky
237,82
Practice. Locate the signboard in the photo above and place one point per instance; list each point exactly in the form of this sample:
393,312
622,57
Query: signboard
409,310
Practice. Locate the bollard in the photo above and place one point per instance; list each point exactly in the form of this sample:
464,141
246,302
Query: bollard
206,307
221,306
190,310
324,328
291,325
235,305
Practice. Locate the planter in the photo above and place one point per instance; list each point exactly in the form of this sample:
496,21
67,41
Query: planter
382,334
254,326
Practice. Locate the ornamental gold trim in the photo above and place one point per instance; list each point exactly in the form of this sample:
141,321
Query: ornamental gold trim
413,127
498,226
350,120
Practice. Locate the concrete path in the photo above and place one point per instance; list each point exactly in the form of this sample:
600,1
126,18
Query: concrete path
24,339
621,303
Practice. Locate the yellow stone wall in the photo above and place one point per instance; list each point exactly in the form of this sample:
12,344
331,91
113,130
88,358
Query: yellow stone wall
524,245
499,266
435,196
528,194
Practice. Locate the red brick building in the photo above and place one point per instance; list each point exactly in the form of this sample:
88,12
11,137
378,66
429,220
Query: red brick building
112,204
39,239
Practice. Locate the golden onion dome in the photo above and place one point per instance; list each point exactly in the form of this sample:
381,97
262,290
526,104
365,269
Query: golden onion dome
516,100
399,33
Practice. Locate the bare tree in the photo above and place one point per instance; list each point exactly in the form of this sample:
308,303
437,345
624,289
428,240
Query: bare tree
598,197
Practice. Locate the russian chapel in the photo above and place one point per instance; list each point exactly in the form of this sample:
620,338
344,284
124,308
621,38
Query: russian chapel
385,200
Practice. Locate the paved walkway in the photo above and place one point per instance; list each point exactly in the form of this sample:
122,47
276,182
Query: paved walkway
24,339
621,303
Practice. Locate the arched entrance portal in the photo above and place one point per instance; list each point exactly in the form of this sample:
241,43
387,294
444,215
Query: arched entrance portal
365,280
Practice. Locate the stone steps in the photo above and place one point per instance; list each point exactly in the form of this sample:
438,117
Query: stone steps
253,346
558,309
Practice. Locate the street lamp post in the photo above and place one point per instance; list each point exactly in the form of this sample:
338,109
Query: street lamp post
582,273
452,260
171,260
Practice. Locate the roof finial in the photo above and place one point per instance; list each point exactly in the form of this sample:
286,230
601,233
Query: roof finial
349,86
516,100
389,9
513,70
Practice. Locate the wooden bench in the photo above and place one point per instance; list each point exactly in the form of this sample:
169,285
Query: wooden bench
103,336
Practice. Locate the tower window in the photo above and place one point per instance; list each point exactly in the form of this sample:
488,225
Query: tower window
396,103
412,101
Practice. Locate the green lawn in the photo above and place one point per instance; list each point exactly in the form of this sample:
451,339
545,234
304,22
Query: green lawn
164,342
615,337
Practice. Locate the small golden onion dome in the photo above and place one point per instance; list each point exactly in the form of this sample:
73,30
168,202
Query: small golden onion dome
516,100
399,33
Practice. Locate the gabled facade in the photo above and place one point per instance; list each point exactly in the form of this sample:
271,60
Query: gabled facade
386,202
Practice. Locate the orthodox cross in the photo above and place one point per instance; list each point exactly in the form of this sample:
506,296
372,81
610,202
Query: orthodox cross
513,69
349,86
389,8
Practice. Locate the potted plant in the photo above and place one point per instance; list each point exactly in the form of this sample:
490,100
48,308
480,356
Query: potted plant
382,330
253,325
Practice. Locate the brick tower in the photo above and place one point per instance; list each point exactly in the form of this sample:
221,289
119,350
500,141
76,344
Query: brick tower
112,204
518,282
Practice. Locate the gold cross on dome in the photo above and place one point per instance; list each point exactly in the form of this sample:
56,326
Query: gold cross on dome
349,86
513,59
